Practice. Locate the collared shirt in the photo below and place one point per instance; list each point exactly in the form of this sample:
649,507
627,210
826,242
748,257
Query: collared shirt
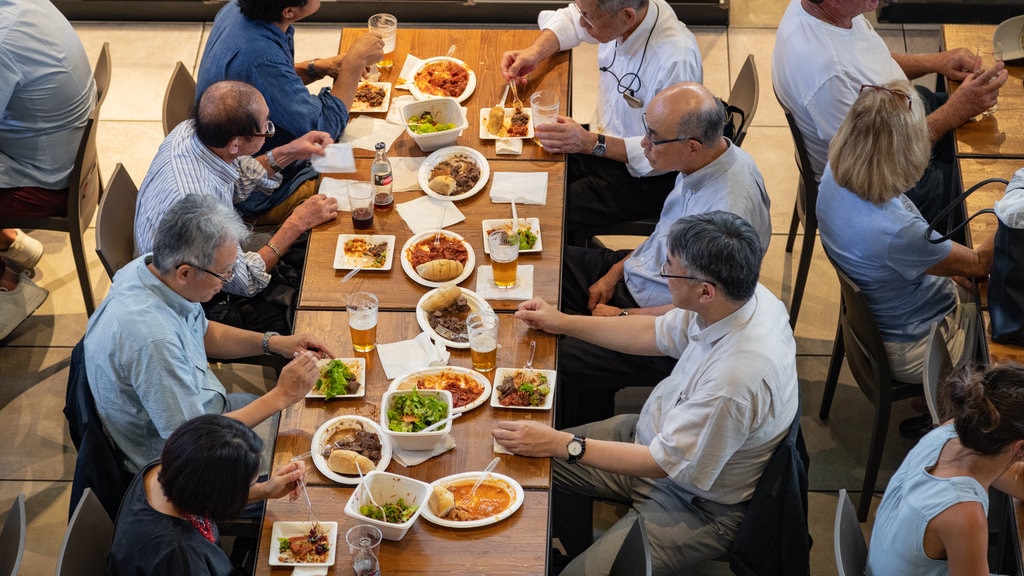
715,421
46,95
146,362
671,56
818,69
732,183
183,165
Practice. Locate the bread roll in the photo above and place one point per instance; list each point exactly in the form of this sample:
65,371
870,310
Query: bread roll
349,462
496,120
443,185
442,297
442,501
441,270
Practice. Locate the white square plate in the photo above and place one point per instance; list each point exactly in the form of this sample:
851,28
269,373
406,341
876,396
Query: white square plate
504,224
501,373
358,367
358,106
485,114
344,261
290,529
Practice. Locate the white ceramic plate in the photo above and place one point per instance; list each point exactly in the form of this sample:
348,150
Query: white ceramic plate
443,154
290,529
357,366
518,497
499,375
475,303
485,113
470,84
478,377
506,224
411,272
344,261
323,435
358,106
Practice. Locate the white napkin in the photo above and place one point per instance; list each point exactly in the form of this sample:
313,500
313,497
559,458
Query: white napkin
523,290
310,570
336,158
524,187
364,132
508,146
421,352
409,458
337,189
408,69
405,173
499,449
395,112
423,214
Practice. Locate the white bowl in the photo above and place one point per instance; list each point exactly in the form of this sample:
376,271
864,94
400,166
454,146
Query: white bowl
415,440
387,488
443,110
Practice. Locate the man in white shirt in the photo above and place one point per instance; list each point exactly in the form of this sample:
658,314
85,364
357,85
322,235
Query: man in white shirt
643,48
689,462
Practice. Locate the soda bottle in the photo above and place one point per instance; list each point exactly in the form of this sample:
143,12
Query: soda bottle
380,175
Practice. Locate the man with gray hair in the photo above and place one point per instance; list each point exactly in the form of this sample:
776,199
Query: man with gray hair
643,47
147,344
690,461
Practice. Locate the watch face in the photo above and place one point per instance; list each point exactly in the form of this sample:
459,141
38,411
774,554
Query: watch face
575,448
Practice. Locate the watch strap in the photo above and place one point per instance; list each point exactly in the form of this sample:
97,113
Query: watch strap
583,449
312,71
273,163
599,148
265,344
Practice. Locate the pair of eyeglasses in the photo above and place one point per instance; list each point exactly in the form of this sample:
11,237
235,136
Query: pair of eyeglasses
225,279
583,15
666,275
896,93
269,131
650,135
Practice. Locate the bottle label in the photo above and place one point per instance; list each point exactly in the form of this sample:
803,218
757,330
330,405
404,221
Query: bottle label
382,179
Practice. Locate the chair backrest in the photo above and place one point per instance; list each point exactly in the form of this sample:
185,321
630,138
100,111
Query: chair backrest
744,96
850,548
807,190
179,98
634,557
937,365
87,540
101,76
12,538
115,221
84,182
865,351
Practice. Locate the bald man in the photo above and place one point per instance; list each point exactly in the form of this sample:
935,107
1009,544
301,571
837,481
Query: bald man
684,133
210,154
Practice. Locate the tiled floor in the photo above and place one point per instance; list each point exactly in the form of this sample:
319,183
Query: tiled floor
37,456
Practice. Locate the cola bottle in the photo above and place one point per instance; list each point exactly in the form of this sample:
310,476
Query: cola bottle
381,177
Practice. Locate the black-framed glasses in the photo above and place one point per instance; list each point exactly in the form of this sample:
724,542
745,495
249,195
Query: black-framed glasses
270,130
225,279
896,93
650,135
666,275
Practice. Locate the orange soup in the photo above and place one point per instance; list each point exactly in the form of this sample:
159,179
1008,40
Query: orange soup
490,499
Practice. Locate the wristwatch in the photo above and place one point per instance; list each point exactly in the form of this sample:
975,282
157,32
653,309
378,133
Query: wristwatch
599,148
576,447
265,344
312,71
273,163
625,312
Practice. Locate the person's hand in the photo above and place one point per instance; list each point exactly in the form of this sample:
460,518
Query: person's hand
958,64
601,292
310,144
539,315
365,51
564,137
517,64
979,92
531,438
313,211
297,377
283,482
605,310
295,344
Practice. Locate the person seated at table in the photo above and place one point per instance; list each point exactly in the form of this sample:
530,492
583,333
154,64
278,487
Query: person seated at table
684,133
642,48
146,346
689,462
253,41
211,155
932,519
825,50
876,235
167,523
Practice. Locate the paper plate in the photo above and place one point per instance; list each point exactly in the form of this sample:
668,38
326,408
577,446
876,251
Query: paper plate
290,529
344,261
517,494
357,366
485,113
470,84
323,434
358,106
473,374
411,272
443,154
501,373
1010,33
501,223
475,303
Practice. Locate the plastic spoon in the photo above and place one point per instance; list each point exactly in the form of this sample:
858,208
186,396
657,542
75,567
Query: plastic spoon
480,480
352,273
440,225
441,423
515,217
529,361
362,486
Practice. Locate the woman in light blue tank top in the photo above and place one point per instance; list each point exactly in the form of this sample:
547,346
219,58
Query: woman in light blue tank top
933,516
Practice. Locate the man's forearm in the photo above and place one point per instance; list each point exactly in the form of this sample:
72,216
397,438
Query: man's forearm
627,334
223,341
916,65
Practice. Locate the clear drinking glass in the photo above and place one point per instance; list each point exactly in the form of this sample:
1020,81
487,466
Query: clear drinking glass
362,320
544,107
990,53
387,26
364,545
504,258
483,340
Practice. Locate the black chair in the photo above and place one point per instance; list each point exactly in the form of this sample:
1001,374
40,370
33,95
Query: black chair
858,338
634,557
12,538
87,540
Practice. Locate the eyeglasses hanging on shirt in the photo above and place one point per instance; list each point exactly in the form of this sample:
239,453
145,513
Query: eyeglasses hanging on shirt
629,84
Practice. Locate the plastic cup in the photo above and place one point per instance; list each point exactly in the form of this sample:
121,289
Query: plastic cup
990,53
360,199
363,541
362,320
544,106
483,340
387,26
504,258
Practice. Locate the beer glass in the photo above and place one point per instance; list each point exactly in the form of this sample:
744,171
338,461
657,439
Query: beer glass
483,340
362,320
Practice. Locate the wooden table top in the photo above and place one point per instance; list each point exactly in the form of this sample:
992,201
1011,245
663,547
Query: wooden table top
1002,134
474,447
516,546
481,50
321,283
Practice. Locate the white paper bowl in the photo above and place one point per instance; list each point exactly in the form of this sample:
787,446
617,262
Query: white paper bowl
387,488
443,110
415,440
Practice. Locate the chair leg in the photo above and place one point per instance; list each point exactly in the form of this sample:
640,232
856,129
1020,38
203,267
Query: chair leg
878,435
803,268
793,224
78,250
832,378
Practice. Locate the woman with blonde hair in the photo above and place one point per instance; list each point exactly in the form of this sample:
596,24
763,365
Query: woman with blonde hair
878,238
933,517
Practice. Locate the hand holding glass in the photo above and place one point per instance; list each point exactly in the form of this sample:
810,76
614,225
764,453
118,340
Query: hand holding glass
387,26
544,107
990,53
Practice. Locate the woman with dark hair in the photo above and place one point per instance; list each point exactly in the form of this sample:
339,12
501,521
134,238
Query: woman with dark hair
206,472
932,520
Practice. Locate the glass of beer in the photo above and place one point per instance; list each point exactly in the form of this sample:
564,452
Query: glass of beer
483,340
360,200
504,257
387,26
544,107
362,320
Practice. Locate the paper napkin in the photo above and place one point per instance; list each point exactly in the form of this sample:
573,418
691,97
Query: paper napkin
508,146
523,290
499,449
364,132
421,352
406,173
423,213
310,570
410,458
524,187
337,189
408,69
336,158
